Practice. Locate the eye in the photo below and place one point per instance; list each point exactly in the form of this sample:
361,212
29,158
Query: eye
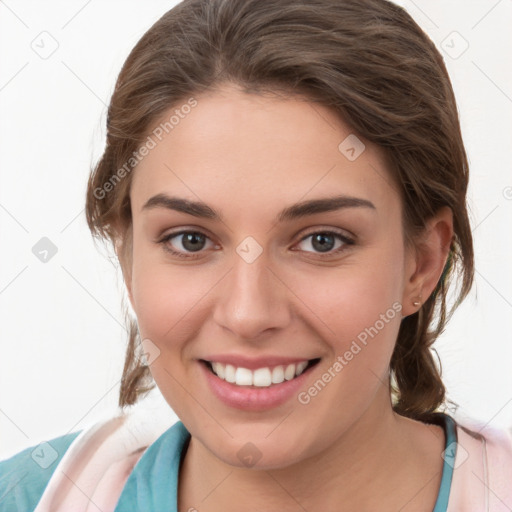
189,242
325,241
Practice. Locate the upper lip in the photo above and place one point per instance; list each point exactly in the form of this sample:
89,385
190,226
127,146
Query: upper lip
253,363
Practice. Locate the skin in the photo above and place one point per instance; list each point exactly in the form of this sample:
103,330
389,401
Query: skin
249,156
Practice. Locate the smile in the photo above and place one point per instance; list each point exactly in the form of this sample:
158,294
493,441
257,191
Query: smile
260,377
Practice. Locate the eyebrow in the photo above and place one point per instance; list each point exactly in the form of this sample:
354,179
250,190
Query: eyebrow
295,211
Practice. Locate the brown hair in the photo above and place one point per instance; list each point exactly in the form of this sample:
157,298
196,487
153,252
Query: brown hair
368,61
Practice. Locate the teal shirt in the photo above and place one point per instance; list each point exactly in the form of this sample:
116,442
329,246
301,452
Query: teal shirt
24,476
153,483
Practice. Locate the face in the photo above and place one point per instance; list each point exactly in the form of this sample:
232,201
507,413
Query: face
300,309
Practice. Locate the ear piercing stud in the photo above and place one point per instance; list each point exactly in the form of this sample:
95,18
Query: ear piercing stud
417,303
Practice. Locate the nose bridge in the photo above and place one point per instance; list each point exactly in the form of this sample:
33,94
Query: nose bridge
251,299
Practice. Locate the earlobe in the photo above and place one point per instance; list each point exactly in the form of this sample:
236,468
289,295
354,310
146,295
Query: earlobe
427,261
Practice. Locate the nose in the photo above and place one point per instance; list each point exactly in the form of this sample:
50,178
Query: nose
252,299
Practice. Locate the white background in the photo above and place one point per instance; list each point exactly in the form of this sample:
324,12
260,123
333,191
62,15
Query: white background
61,323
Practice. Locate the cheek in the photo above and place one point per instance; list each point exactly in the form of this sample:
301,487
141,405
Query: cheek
358,315
165,298
167,303
170,300
356,308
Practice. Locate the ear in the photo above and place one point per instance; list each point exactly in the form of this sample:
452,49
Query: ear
426,261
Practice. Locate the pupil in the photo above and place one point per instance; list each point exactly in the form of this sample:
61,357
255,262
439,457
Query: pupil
320,239
190,241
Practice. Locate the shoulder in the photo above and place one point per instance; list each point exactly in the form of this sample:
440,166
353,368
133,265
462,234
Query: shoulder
482,470
99,461
492,441
153,483
24,476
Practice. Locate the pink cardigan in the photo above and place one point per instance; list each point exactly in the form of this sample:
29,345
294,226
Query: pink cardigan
101,458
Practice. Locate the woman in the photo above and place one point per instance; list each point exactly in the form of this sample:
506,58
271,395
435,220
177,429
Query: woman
284,184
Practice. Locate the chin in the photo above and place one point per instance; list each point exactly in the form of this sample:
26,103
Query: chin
259,451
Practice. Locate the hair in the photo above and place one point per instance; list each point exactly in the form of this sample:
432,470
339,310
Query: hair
368,61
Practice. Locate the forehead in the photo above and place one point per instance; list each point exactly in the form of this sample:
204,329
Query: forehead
245,152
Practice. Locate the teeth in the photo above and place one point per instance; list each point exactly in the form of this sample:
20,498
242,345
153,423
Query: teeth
229,373
243,377
262,377
289,373
277,375
301,367
219,369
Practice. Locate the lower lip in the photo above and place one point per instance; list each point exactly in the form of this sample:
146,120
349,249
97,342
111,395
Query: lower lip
251,398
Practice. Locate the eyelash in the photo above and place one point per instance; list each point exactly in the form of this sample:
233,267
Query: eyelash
346,242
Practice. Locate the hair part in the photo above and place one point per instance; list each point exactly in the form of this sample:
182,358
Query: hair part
366,60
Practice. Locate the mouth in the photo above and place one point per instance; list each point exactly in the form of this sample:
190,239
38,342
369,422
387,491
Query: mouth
264,377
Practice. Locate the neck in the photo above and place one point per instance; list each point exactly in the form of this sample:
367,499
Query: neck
379,452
